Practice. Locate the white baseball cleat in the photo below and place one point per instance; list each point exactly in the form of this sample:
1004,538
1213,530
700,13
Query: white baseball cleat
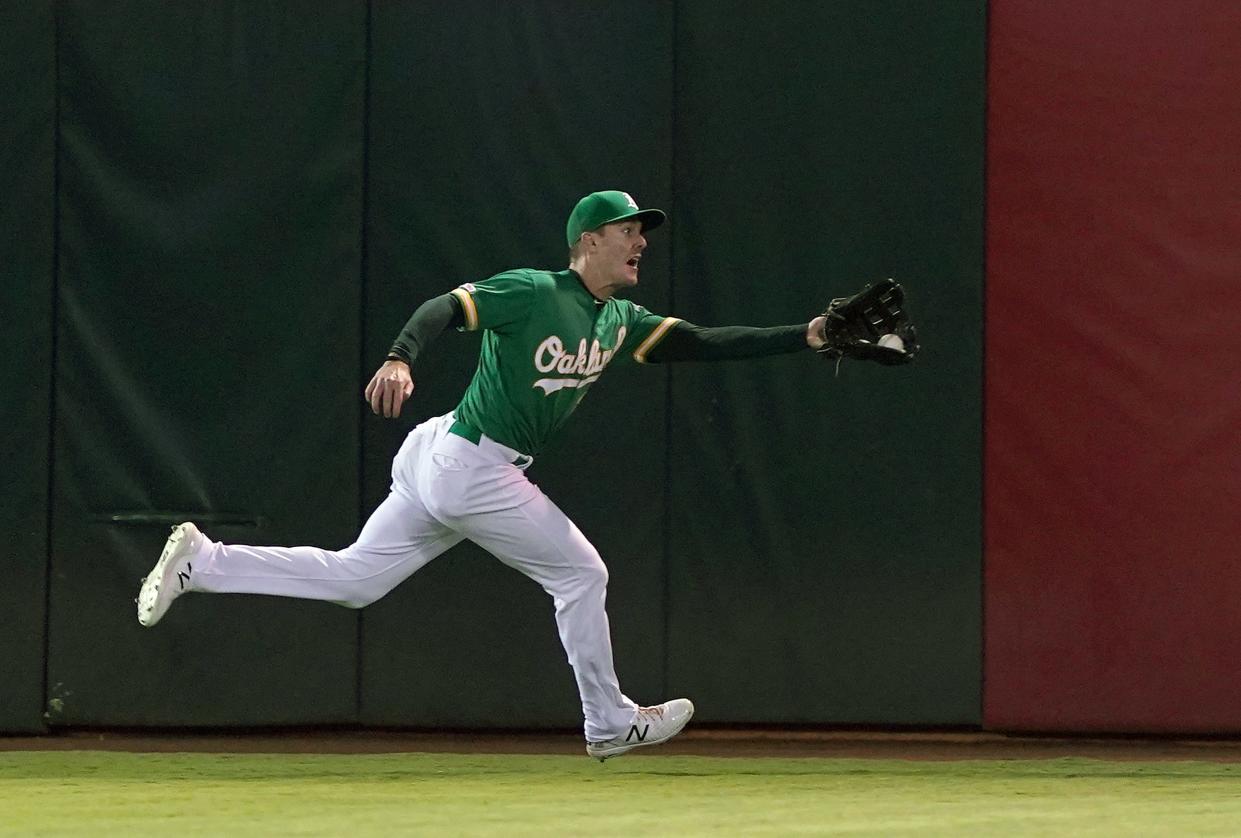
650,726
167,580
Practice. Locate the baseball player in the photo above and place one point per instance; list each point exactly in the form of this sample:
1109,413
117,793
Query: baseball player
548,336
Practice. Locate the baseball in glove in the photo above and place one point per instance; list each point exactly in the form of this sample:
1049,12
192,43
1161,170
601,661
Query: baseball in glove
872,325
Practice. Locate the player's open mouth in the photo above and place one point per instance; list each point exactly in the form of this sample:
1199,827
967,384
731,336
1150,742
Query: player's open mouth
633,261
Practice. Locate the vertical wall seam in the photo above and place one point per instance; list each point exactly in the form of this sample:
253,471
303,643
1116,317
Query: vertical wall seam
363,276
54,315
669,371
982,379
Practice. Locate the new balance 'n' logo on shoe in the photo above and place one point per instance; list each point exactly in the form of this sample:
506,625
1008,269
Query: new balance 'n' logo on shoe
650,726
158,589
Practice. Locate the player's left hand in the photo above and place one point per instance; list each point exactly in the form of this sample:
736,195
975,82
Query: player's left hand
390,386
815,332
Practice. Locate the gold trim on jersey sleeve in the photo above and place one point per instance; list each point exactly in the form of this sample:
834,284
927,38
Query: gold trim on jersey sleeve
656,335
467,305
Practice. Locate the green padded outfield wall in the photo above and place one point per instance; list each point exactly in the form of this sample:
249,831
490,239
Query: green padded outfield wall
487,122
27,114
208,344
825,541
253,199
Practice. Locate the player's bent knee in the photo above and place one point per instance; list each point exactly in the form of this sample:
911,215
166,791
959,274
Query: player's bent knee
588,582
593,578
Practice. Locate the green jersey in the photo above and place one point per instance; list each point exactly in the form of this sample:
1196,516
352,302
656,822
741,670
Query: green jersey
546,340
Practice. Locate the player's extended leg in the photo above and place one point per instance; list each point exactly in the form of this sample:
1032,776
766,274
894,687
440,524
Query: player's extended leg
478,490
400,537
397,540
537,539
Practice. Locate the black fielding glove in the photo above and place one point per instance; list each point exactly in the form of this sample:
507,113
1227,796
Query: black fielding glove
872,325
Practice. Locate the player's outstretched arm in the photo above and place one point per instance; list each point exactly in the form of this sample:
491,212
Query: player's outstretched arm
390,386
687,342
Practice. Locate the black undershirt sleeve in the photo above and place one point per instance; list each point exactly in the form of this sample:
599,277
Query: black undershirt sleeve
687,342
425,325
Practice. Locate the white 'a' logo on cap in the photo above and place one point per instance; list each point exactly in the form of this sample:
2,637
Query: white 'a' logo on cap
630,199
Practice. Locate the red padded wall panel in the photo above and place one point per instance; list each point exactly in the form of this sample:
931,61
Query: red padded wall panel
1113,366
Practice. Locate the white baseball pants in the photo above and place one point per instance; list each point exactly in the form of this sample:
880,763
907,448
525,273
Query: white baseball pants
446,488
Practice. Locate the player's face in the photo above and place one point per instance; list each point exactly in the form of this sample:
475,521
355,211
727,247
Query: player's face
619,250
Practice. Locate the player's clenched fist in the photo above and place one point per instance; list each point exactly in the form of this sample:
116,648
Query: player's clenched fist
390,386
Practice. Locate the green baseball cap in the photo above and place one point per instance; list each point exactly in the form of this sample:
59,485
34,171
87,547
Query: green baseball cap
599,208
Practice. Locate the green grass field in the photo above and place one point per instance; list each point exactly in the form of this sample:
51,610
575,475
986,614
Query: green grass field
105,794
